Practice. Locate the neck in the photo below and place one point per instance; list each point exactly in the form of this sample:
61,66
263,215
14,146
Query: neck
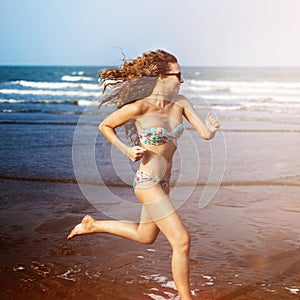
160,92
160,100
159,96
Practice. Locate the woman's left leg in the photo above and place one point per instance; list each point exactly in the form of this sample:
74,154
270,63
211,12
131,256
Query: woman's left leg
145,232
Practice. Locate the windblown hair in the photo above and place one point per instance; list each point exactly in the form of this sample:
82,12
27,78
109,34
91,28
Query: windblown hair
134,80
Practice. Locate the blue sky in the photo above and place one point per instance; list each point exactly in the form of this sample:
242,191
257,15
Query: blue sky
198,32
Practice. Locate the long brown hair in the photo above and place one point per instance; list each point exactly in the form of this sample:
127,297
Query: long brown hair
134,80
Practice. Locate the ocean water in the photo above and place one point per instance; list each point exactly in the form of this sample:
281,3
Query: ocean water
67,90
46,103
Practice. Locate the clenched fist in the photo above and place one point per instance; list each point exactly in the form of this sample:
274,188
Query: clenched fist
135,153
212,123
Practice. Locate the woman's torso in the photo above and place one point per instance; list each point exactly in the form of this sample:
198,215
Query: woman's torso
159,128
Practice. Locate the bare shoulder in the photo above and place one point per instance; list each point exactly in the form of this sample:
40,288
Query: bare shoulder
182,101
135,108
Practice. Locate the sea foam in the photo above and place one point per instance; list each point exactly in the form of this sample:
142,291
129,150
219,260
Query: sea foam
55,85
76,78
50,92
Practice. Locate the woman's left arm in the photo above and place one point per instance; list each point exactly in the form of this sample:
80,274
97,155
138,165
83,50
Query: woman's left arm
206,129
116,119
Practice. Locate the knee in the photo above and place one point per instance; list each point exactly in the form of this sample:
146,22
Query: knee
182,244
186,244
147,240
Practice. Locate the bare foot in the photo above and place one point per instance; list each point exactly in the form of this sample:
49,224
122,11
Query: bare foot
86,226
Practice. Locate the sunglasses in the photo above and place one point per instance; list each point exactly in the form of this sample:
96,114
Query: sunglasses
178,75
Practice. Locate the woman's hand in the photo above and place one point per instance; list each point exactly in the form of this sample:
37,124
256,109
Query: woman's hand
212,123
135,153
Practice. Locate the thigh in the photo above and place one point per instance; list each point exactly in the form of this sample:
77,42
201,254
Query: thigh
147,229
161,211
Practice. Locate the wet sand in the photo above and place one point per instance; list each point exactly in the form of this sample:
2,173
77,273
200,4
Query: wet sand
245,242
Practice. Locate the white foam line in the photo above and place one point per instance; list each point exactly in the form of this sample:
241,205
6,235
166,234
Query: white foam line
246,90
65,276
55,85
78,102
21,268
293,290
34,101
254,97
247,84
162,280
155,297
50,92
76,78
87,103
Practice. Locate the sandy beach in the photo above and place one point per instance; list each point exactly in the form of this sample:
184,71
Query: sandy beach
245,241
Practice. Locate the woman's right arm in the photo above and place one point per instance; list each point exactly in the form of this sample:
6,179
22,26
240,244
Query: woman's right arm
116,119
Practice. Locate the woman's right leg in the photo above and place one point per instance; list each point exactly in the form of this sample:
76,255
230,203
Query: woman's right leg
145,232
162,212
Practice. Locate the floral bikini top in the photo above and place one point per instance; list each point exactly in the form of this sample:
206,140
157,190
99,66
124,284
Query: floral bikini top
159,135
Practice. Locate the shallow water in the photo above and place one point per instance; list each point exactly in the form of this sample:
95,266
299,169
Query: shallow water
238,252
